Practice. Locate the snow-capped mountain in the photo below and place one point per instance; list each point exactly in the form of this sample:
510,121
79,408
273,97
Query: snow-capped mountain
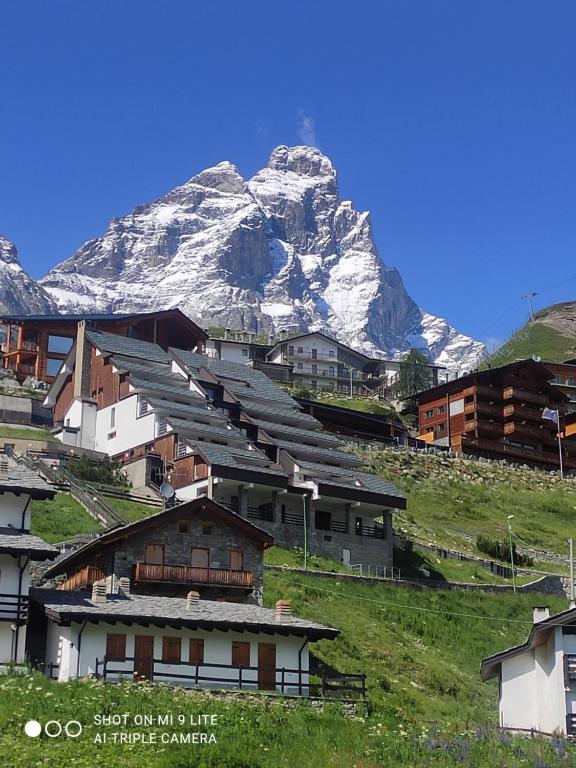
19,293
281,251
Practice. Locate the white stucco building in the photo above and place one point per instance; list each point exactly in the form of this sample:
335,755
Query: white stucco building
537,680
183,641
18,487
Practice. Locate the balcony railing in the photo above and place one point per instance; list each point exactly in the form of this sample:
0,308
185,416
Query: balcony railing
376,531
190,574
483,391
541,434
209,675
514,411
569,670
338,526
525,395
83,579
485,427
13,607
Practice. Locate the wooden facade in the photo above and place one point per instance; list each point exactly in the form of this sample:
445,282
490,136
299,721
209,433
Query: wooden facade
36,345
497,413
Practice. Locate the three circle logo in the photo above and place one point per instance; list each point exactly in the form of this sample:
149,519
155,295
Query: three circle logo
53,729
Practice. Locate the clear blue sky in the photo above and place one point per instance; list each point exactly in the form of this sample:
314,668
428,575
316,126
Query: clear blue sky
454,122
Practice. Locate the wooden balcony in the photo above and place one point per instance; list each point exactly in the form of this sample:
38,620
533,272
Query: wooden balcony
190,575
522,413
483,392
521,395
83,579
482,427
530,432
484,409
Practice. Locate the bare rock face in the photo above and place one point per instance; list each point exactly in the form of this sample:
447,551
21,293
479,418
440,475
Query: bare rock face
281,251
19,293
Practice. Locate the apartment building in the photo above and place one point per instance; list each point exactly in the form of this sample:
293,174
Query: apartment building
224,431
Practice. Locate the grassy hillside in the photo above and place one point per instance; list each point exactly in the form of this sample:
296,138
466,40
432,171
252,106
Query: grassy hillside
450,497
61,519
551,335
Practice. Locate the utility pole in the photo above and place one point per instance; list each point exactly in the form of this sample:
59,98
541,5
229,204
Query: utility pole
351,395
571,589
510,517
304,510
530,295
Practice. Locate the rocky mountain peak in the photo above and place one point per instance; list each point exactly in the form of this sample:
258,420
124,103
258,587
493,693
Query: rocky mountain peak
281,251
19,293
8,253
302,160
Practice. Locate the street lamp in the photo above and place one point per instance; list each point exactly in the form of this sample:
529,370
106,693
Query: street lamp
511,517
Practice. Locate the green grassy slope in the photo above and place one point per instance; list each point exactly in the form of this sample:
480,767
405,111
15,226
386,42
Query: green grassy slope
537,338
448,497
61,519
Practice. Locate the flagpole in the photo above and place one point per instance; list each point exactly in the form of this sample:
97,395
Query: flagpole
560,445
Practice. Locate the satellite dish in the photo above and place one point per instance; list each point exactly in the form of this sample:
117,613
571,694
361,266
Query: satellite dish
536,358
166,491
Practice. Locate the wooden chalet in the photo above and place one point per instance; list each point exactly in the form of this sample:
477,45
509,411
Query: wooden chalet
497,413
37,345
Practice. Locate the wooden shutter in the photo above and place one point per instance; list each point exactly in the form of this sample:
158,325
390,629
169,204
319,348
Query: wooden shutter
116,646
199,557
196,651
171,649
154,554
240,654
236,560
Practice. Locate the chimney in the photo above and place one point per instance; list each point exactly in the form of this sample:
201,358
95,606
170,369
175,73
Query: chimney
99,591
192,601
124,585
226,333
283,612
540,612
82,365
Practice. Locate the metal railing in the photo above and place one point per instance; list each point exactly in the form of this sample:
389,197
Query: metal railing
13,607
284,680
190,574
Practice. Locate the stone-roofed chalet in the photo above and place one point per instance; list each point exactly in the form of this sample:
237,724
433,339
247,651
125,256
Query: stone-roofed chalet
223,430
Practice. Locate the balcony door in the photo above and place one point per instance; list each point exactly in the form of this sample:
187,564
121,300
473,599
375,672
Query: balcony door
143,656
154,554
200,557
266,666
236,560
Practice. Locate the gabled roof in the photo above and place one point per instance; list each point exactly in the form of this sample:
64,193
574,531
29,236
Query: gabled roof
15,478
14,542
66,606
124,345
196,506
539,634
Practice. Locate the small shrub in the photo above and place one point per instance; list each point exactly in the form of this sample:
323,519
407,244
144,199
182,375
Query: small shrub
500,550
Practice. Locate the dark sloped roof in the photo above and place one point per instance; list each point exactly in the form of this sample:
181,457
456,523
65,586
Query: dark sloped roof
291,414
539,633
324,454
306,434
75,606
17,478
177,512
124,345
12,540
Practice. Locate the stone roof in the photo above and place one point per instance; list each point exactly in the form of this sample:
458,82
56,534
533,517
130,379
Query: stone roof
64,605
124,345
13,540
20,479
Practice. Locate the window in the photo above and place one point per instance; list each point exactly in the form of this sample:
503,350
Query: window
116,647
244,353
429,429
171,649
154,554
291,350
240,654
300,350
441,409
53,366
299,366
196,651
59,344
331,353
208,528
142,407
314,354
199,557
183,526
314,369
112,418
556,379
442,426
331,370
428,414
314,384
236,560
323,520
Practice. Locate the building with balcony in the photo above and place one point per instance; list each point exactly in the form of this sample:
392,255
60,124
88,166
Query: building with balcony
37,345
18,548
564,379
198,545
224,431
114,634
537,680
497,413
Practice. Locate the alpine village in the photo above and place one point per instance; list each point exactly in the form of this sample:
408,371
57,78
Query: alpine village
373,552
